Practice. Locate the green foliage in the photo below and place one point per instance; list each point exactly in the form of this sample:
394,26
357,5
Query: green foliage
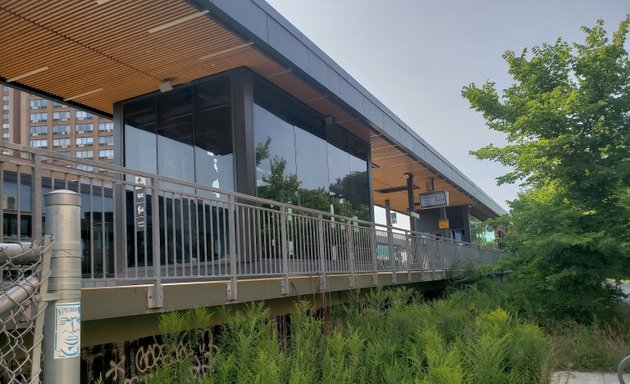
567,122
388,336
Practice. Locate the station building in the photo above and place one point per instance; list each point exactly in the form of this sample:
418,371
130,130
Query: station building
221,92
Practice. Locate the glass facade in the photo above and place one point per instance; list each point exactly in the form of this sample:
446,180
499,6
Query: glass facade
184,134
303,161
188,134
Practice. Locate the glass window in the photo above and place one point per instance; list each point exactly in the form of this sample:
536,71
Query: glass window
106,154
36,117
5,135
57,104
140,138
81,128
83,115
39,143
275,156
185,133
175,134
83,167
63,143
214,159
106,140
38,103
5,125
105,126
81,141
63,115
61,129
39,130
300,158
85,154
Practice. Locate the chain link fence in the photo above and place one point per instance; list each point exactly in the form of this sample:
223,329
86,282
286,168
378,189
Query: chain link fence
23,273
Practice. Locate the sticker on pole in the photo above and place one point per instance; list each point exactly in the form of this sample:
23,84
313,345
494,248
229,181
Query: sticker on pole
67,330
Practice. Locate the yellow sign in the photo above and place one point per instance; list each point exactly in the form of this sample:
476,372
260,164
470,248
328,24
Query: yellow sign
443,223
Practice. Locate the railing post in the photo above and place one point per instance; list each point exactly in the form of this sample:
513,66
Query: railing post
232,288
412,254
373,251
284,238
62,335
36,197
392,252
350,238
322,254
155,293
390,240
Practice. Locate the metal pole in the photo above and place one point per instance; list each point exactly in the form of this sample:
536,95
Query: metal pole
284,238
390,239
62,329
411,201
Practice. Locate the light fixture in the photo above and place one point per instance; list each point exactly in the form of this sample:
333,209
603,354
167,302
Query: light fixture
27,74
166,86
177,21
227,50
83,94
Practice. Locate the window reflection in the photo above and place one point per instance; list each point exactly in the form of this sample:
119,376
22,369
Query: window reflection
299,160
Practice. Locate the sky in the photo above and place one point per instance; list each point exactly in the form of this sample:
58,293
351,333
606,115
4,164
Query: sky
416,55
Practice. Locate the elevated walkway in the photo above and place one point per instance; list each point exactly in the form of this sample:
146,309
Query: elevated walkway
152,244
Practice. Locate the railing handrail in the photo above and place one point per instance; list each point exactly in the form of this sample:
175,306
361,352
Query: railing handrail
164,179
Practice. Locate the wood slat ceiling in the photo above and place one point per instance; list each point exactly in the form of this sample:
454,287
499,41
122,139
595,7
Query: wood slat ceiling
108,47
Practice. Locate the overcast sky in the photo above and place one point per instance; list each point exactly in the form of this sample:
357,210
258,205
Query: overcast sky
416,55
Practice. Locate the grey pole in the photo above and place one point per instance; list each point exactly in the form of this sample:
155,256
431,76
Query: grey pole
62,330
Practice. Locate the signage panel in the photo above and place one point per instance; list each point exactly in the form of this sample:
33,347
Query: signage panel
434,199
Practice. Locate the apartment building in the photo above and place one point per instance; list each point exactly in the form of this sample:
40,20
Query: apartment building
37,122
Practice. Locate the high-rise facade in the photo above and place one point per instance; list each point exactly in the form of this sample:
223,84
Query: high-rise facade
37,122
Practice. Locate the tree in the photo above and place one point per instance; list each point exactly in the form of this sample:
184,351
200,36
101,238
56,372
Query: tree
567,122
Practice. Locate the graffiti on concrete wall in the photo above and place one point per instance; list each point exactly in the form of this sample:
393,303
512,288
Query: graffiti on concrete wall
127,362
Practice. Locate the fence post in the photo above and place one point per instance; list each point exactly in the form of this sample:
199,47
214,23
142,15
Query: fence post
322,253
62,329
36,197
350,237
232,293
155,293
373,251
284,238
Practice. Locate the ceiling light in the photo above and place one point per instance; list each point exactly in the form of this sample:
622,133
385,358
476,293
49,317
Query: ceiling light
27,74
83,94
166,86
227,50
177,21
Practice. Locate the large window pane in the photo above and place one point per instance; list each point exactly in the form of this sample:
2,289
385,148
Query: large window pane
175,134
213,134
275,156
140,139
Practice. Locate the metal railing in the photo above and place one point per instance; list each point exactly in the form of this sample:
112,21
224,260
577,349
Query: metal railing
138,227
